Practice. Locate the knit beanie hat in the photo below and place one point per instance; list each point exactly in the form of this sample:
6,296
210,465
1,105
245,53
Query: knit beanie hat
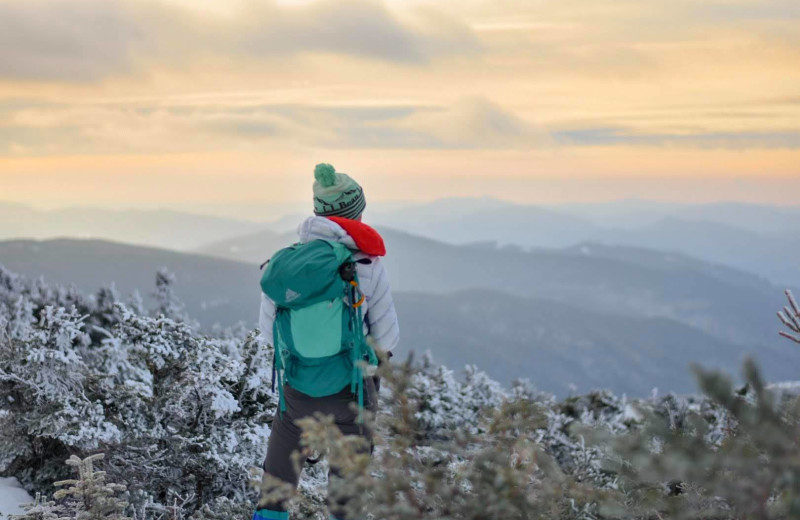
336,194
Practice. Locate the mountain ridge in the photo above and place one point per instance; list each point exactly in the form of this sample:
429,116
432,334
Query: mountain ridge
696,292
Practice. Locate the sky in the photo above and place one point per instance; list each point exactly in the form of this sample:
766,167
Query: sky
175,103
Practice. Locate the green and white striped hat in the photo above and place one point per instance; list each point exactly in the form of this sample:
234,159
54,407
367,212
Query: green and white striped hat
336,194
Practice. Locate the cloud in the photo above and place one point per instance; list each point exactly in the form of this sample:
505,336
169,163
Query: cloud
747,10
78,41
90,40
350,126
626,36
470,123
32,127
475,122
38,128
613,136
353,27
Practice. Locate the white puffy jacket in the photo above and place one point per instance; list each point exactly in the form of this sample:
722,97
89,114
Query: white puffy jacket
380,318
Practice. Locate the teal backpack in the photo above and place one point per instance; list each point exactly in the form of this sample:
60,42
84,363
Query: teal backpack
318,329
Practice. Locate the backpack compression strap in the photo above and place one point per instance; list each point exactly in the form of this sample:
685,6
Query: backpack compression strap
360,350
277,365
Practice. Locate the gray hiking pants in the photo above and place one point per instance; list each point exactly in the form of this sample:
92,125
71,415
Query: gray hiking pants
285,436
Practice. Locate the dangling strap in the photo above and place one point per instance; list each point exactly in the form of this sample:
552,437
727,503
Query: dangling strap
277,366
356,352
351,289
360,336
281,401
274,371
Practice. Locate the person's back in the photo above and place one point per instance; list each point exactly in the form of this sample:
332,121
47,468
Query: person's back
338,204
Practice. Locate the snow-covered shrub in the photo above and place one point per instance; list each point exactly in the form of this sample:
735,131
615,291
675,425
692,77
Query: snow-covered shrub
443,404
184,417
180,416
733,455
224,509
89,497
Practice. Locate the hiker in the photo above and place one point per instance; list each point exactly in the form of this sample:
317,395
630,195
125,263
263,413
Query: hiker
338,204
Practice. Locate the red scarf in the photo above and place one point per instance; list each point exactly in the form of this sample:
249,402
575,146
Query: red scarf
366,238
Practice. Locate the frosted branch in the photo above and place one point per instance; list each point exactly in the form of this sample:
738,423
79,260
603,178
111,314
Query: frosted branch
5,376
790,317
103,331
793,303
790,336
789,320
794,318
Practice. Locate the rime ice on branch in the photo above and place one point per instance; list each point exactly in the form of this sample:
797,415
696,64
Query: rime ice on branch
790,316
89,495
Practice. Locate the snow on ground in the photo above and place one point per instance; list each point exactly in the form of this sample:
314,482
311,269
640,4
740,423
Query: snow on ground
785,389
11,496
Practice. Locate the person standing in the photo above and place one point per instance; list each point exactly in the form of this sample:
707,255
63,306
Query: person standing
339,203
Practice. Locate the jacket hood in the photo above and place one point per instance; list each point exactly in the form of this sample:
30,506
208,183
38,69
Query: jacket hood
351,233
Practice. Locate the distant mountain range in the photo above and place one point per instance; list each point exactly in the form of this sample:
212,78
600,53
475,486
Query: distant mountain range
589,315
214,290
252,248
623,214
761,239
563,348
722,301
157,228
636,213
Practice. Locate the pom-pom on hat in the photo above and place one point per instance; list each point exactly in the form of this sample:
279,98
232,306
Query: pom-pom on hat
336,194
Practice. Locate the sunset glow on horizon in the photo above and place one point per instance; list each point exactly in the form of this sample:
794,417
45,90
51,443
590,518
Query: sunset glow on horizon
157,102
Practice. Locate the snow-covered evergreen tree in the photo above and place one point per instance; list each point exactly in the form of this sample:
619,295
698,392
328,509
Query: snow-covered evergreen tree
177,414
90,497
167,303
40,509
